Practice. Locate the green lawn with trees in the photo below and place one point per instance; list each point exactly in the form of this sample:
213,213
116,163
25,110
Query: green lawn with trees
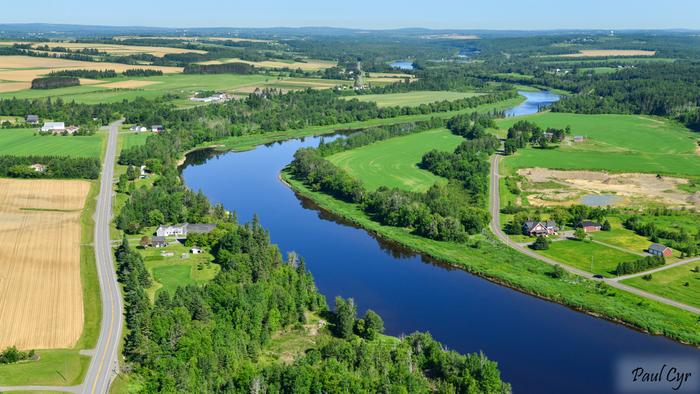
394,162
679,283
617,143
588,256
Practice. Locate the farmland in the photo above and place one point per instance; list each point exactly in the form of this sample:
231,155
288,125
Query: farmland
412,98
40,263
183,85
17,72
393,162
25,142
615,143
112,49
588,256
308,65
679,283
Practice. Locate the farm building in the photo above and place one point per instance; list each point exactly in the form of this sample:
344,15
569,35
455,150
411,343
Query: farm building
181,230
589,226
38,167
660,250
158,242
71,130
32,119
533,228
579,138
54,127
138,128
156,128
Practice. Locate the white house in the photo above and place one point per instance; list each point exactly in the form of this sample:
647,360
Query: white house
70,130
174,230
138,128
196,251
54,127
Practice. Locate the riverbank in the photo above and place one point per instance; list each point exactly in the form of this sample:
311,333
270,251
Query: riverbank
492,260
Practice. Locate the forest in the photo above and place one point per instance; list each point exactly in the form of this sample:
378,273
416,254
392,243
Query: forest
56,167
54,82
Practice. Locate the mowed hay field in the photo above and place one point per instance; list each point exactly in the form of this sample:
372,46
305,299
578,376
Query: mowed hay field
25,142
615,143
393,162
307,65
41,301
412,98
17,72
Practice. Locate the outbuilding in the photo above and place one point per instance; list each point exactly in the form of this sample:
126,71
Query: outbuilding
33,119
158,242
660,250
589,226
196,251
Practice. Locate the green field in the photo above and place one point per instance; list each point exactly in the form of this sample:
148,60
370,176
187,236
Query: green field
410,99
588,256
393,162
54,368
180,84
598,70
671,283
250,141
620,236
616,143
507,266
171,272
134,139
25,142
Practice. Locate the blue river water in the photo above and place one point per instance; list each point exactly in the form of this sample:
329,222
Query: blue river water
541,347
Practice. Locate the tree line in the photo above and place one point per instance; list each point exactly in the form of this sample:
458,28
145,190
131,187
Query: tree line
54,82
62,167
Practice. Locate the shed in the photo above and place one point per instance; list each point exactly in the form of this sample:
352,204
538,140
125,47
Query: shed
589,226
660,250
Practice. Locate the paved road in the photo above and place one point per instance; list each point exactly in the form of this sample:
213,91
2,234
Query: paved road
494,206
104,364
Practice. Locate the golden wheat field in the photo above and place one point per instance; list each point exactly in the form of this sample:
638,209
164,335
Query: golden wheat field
41,301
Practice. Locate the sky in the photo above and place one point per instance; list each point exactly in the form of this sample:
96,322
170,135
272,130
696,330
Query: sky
367,14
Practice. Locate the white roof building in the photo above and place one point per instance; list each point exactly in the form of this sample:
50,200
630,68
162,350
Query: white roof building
53,126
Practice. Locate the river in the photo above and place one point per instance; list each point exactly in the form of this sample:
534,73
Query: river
541,347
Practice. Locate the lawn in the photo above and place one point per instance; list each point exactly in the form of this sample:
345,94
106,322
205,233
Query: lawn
25,142
54,368
671,283
393,162
171,272
588,256
620,236
134,139
616,143
410,99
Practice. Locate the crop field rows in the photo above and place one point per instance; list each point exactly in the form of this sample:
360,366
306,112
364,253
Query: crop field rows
41,303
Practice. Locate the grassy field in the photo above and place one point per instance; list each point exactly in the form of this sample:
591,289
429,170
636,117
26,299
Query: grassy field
615,143
25,142
171,272
134,139
620,236
250,141
598,70
588,256
54,368
412,98
393,162
506,266
671,283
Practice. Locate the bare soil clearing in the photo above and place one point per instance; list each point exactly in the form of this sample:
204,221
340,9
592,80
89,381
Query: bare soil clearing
630,187
41,301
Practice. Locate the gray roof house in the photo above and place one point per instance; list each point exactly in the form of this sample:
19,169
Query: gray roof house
535,228
158,242
33,119
181,230
660,250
